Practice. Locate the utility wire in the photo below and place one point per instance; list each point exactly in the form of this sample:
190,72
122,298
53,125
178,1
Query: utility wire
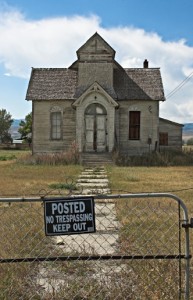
178,87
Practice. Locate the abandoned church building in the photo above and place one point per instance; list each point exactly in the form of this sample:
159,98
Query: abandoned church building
100,105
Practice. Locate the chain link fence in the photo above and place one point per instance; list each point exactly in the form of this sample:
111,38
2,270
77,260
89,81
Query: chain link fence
140,250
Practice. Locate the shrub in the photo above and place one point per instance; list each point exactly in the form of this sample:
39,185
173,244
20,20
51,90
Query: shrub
190,141
159,159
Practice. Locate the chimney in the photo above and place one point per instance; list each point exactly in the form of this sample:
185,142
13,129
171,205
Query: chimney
145,64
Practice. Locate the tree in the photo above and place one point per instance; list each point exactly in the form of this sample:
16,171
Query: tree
5,124
25,128
190,141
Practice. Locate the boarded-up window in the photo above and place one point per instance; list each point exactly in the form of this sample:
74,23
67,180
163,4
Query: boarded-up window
56,125
163,139
134,125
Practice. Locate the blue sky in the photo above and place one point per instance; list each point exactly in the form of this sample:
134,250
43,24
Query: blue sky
47,33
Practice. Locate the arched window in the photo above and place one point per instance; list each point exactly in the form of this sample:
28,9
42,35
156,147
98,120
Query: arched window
95,109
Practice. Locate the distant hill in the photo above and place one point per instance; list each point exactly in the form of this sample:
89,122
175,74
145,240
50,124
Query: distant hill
188,127
187,131
16,122
14,129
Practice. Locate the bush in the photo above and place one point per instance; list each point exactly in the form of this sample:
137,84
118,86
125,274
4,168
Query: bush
156,159
190,141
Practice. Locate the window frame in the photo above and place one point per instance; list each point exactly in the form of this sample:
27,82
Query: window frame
134,125
163,138
56,135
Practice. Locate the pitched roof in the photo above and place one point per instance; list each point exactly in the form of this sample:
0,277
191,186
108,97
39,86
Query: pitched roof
138,84
52,84
170,122
62,83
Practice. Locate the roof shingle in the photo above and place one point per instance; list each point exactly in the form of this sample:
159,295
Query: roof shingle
52,84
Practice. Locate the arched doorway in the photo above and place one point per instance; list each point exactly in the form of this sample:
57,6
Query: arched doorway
96,128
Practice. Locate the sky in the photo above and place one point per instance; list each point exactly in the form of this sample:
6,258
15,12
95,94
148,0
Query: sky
47,33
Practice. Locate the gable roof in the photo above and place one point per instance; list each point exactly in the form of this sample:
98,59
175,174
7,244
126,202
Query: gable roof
97,88
96,45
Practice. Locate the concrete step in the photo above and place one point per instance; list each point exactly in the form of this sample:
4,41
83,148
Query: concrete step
93,185
96,159
91,180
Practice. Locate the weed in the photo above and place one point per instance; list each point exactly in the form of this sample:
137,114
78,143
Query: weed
67,186
7,157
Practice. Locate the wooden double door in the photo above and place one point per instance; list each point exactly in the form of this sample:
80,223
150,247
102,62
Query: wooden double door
96,128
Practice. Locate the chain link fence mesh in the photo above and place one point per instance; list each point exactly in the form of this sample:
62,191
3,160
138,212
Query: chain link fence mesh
136,253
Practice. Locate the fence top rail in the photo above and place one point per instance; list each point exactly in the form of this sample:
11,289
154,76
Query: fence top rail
102,196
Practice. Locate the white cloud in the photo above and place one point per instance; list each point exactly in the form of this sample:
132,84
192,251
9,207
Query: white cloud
44,43
53,43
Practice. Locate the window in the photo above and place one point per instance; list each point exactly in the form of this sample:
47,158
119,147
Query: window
163,139
56,125
134,125
95,108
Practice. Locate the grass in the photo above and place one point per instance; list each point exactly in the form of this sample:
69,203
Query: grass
22,233
176,180
20,180
151,227
65,186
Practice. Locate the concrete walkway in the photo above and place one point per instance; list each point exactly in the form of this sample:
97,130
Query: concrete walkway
94,181
104,241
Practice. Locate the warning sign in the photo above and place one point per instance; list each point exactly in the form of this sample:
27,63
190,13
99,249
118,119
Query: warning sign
69,216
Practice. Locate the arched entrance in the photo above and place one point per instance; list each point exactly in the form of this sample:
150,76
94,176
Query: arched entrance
96,128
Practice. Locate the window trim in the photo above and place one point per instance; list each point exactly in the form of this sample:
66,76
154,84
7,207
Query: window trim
134,127
51,126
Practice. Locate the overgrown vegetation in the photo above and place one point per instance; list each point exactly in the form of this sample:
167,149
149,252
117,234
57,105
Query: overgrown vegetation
156,159
53,159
